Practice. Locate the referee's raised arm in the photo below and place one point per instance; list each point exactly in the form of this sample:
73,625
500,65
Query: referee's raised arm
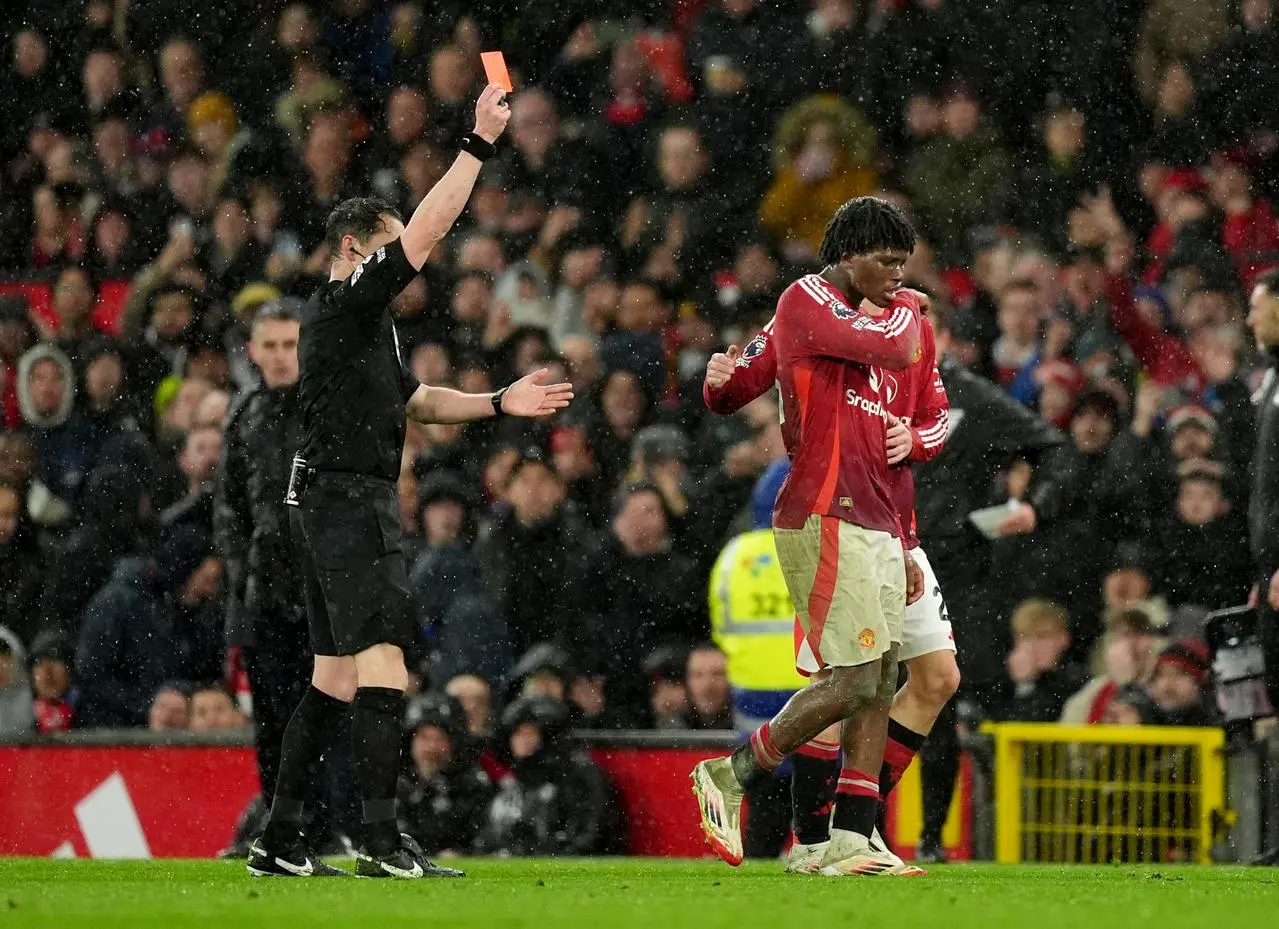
441,207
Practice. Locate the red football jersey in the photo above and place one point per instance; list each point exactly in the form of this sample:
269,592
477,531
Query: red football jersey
830,361
914,395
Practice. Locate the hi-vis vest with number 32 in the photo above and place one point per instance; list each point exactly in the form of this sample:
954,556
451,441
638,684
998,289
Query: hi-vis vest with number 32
752,618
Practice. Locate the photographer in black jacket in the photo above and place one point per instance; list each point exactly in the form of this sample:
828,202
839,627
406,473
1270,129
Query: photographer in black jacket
1263,510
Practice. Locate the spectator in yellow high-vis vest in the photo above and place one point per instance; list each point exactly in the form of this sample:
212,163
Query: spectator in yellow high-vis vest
752,618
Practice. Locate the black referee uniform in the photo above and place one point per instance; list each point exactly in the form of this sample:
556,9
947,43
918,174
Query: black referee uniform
344,518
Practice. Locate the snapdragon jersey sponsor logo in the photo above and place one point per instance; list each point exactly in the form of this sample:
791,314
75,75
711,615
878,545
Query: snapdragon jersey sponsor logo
884,388
868,406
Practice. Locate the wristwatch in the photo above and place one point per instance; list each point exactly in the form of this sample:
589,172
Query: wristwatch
497,402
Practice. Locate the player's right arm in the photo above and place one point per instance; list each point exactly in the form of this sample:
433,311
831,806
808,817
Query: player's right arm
441,207
735,378
821,325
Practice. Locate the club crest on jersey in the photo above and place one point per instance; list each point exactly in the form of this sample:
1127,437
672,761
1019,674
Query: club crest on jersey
883,383
866,638
752,351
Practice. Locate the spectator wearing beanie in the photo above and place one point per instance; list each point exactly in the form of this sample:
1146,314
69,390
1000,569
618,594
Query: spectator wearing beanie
664,668
1112,466
592,700
554,801
1192,432
576,466
1182,685
1203,562
56,697
545,670
443,799
215,131
457,612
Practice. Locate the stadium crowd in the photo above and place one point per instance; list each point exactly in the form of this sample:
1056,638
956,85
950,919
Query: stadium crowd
1093,184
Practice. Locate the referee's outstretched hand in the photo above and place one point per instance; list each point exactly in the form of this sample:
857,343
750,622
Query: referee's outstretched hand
529,396
491,113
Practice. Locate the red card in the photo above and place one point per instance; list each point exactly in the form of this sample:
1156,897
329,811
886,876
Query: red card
495,70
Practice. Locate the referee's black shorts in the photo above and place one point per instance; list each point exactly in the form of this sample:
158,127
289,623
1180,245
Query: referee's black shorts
348,537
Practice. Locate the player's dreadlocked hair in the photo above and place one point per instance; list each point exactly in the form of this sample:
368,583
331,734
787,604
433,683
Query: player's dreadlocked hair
863,225
357,216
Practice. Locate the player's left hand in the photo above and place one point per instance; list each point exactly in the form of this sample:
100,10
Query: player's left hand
529,396
914,579
1272,596
900,441
1019,523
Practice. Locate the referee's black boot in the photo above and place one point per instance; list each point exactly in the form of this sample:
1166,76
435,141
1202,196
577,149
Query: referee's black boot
408,862
930,851
294,858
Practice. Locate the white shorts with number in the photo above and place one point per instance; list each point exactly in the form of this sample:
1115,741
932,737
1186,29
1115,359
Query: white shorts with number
926,629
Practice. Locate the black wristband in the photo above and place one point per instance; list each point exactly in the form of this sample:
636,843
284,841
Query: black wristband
497,402
480,148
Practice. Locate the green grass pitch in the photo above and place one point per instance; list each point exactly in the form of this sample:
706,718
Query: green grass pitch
626,893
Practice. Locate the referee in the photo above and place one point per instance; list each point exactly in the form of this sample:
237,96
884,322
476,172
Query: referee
344,518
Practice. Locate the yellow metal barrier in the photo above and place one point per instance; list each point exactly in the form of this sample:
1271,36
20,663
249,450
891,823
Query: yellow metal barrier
1088,794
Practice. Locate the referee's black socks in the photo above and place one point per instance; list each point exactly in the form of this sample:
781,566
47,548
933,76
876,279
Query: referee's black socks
375,738
309,727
